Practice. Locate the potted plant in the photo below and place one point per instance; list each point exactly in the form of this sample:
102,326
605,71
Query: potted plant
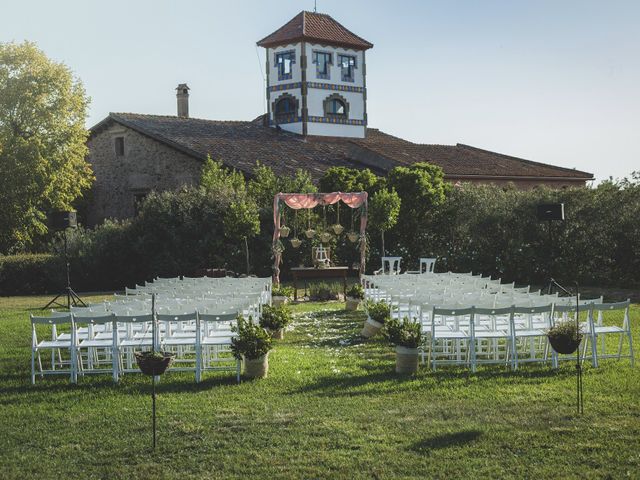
355,295
310,232
252,344
154,363
565,337
337,228
284,231
296,242
407,337
325,237
275,319
281,294
377,315
353,236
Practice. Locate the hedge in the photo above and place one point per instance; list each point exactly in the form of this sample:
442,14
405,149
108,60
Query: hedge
31,273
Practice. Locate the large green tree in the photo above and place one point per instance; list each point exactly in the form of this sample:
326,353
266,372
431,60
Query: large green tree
42,142
384,208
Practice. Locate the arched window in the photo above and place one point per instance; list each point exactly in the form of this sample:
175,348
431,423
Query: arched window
285,108
336,106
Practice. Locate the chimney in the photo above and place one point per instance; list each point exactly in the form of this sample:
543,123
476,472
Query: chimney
183,100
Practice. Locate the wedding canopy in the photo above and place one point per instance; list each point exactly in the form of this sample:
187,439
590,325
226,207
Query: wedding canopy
299,201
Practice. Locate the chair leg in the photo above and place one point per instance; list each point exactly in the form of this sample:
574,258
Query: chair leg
33,367
630,347
593,338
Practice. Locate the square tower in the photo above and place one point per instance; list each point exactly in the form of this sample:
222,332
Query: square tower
316,75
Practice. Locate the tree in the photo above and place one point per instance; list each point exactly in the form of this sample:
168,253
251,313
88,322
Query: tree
384,209
241,222
42,142
421,188
223,183
343,179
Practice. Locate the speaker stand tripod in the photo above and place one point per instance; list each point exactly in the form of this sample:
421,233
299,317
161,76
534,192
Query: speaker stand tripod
71,296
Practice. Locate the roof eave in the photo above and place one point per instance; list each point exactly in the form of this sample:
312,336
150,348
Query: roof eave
471,176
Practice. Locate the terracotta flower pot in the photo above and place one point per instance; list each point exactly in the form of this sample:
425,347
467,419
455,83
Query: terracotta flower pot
371,328
353,237
296,242
337,229
564,344
256,367
352,303
284,232
406,359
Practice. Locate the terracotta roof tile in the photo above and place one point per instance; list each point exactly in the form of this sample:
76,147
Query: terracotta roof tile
317,27
241,144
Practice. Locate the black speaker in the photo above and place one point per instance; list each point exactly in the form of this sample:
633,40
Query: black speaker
551,211
63,220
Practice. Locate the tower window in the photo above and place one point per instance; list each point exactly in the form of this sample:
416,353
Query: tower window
348,65
323,61
336,106
119,146
284,63
285,109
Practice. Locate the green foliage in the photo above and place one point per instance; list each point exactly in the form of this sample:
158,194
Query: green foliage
282,291
407,333
567,329
378,311
384,209
355,291
252,341
323,291
42,142
343,179
221,182
275,317
31,273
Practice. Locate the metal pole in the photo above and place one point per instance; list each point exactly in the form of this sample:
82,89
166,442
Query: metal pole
153,395
580,405
153,378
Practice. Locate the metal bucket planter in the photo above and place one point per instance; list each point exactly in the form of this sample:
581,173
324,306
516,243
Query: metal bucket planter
256,367
565,344
278,300
352,303
277,334
371,328
406,360
284,232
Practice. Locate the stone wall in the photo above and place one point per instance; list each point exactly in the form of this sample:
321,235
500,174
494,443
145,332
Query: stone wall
146,165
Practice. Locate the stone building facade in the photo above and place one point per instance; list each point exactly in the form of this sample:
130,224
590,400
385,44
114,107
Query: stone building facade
128,165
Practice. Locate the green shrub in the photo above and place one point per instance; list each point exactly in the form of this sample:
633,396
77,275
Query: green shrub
282,291
356,291
252,341
274,318
378,311
31,273
404,334
323,291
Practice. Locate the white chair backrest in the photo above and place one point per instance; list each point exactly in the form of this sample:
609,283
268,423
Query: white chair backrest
427,265
391,265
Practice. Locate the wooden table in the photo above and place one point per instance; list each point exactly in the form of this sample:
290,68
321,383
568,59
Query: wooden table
312,272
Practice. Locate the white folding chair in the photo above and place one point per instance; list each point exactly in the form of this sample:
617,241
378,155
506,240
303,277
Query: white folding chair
132,332
491,337
97,348
179,335
450,338
56,345
528,328
213,343
600,327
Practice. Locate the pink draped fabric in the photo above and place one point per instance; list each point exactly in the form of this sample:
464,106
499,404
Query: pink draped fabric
299,201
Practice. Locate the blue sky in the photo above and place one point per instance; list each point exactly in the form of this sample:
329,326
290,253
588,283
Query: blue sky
553,81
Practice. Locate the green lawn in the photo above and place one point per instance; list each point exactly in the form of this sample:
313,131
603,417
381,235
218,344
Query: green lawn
331,408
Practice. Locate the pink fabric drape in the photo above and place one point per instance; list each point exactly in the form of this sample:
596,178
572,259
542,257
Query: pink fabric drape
299,201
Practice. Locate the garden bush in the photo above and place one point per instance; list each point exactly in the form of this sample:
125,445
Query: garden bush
31,273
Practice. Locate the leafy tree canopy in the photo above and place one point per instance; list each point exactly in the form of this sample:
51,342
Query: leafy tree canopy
384,209
224,183
42,142
343,179
265,184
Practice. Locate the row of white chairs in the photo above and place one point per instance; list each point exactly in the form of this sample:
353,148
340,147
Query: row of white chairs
102,338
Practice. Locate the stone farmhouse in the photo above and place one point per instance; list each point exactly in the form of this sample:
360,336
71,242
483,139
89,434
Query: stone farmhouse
316,119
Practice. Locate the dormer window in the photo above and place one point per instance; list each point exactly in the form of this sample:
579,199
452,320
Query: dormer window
323,61
348,65
285,108
284,64
336,106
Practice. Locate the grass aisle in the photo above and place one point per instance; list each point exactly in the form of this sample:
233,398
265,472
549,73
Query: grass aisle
331,408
